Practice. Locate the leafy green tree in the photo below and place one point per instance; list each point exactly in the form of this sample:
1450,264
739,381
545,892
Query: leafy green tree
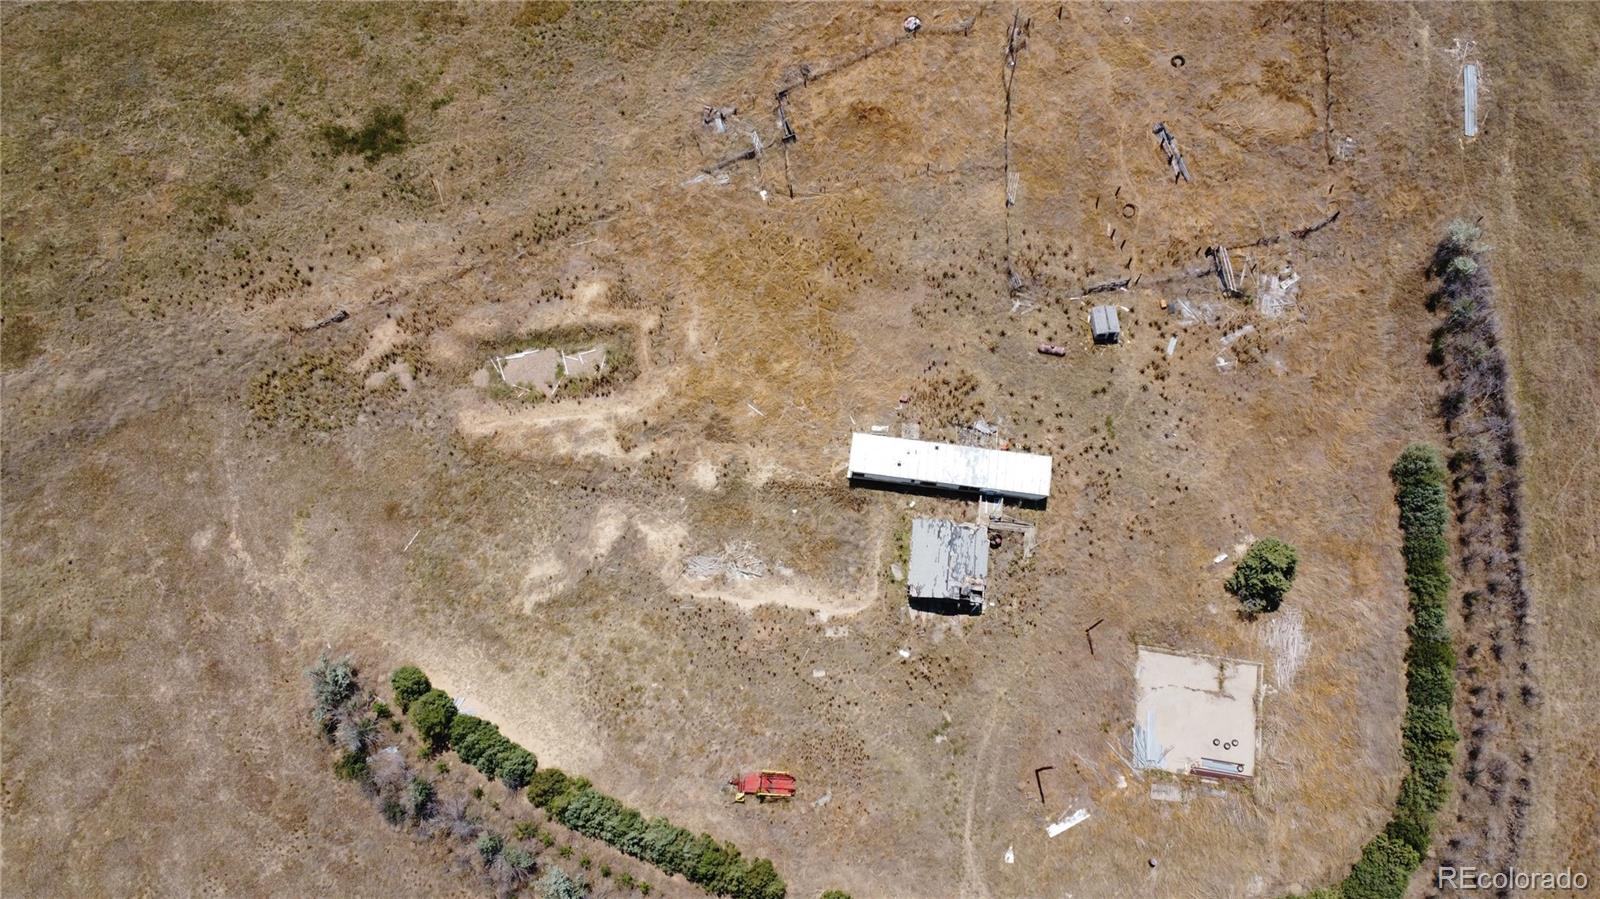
546,785
463,728
517,766
761,881
432,714
1264,575
409,684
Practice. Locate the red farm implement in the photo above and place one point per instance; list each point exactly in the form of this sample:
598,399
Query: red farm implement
764,785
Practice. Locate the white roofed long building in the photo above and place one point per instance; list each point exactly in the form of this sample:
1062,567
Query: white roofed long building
948,466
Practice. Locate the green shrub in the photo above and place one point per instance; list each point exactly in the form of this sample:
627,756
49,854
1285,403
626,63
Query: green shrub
517,767
1383,871
383,133
381,709
836,894
557,885
333,683
1264,575
432,714
573,801
546,785
409,684
419,798
352,766
393,810
489,845
462,728
518,859
1430,684
1428,734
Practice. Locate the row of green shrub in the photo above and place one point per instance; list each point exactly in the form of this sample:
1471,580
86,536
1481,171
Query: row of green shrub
1428,736
717,867
478,742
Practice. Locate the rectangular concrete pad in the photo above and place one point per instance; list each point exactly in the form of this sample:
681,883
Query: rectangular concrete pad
1191,701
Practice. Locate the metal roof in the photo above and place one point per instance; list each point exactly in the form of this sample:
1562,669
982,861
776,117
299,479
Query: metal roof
949,466
948,560
1103,320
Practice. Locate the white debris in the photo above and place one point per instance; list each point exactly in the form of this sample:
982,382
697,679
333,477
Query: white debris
1172,344
1285,636
905,653
736,561
823,800
912,24
880,429
818,672
1166,792
1067,823
1221,557
1469,95
1010,857
1278,293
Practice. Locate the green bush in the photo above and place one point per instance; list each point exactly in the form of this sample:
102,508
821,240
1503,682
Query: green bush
463,728
717,867
518,859
409,684
489,845
557,885
1428,734
432,714
352,766
836,894
517,767
545,786
1264,575
333,683
1430,684
1383,870
419,798
383,133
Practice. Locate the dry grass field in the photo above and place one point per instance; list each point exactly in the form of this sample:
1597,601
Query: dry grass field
202,492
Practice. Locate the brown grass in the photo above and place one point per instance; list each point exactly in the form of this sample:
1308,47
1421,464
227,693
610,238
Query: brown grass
166,575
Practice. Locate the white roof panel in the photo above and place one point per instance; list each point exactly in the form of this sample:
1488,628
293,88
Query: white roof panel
878,457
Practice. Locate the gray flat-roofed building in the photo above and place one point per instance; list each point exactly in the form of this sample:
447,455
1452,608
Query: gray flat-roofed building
1103,323
948,466
949,566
